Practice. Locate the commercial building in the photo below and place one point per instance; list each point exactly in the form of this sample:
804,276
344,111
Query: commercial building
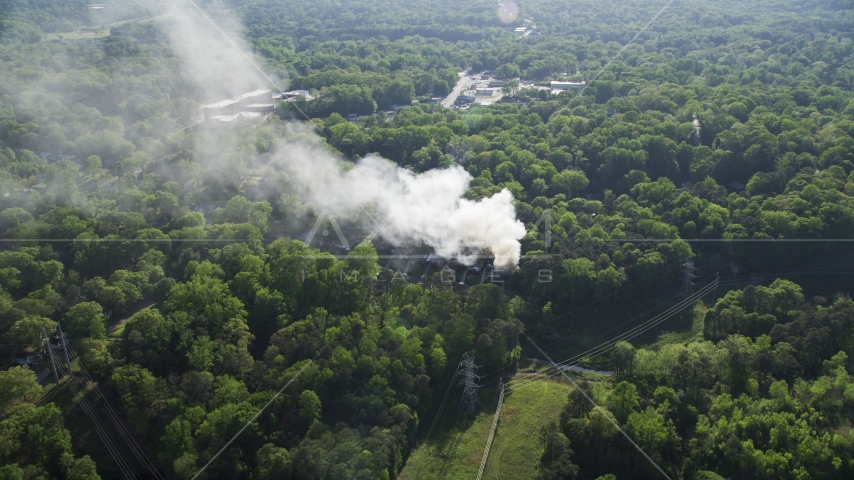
259,107
257,102
237,117
561,86
292,95
222,107
256,96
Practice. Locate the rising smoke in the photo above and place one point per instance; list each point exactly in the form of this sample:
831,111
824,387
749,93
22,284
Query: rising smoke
428,208
217,69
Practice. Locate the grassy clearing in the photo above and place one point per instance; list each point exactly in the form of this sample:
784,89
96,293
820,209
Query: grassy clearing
117,333
695,334
591,327
516,449
457,449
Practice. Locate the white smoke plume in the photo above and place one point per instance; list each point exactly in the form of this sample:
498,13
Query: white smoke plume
427,207
217,68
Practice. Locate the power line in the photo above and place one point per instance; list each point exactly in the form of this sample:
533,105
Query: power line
610,344
652,321
260,70
128,437
602,411
100,430
469,400
629,334
656,320
688,281
443,416
499,403
602,70
448,461
790,272
254,417
50,350
441,405
585,321
610,240
658,273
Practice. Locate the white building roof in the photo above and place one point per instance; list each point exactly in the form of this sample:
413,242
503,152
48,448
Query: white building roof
254,93
220,104
567,84
236,116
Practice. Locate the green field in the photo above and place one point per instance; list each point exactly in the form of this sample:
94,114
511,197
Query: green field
457,450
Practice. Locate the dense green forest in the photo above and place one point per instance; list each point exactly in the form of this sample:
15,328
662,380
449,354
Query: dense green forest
172,252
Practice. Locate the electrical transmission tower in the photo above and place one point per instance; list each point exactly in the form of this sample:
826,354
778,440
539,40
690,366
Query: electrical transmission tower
688,282
50,350
469,401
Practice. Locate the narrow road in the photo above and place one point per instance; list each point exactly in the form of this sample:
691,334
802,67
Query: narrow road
143,304
43,374
458,88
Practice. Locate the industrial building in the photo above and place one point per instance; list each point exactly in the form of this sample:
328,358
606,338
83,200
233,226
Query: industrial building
255,102
249,106
293,95
237,117
222,107
263,96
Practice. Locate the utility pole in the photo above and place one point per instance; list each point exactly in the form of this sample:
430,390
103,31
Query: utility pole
688,282
697,127
715,291
64,347
470,400
50,352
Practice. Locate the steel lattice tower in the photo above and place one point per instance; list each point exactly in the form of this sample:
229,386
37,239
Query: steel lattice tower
688,282
470,400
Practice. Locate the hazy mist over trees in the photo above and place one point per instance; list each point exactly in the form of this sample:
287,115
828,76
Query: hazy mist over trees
194,278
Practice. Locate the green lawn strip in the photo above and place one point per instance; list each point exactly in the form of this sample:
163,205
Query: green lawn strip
117,333
457,450
516,449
